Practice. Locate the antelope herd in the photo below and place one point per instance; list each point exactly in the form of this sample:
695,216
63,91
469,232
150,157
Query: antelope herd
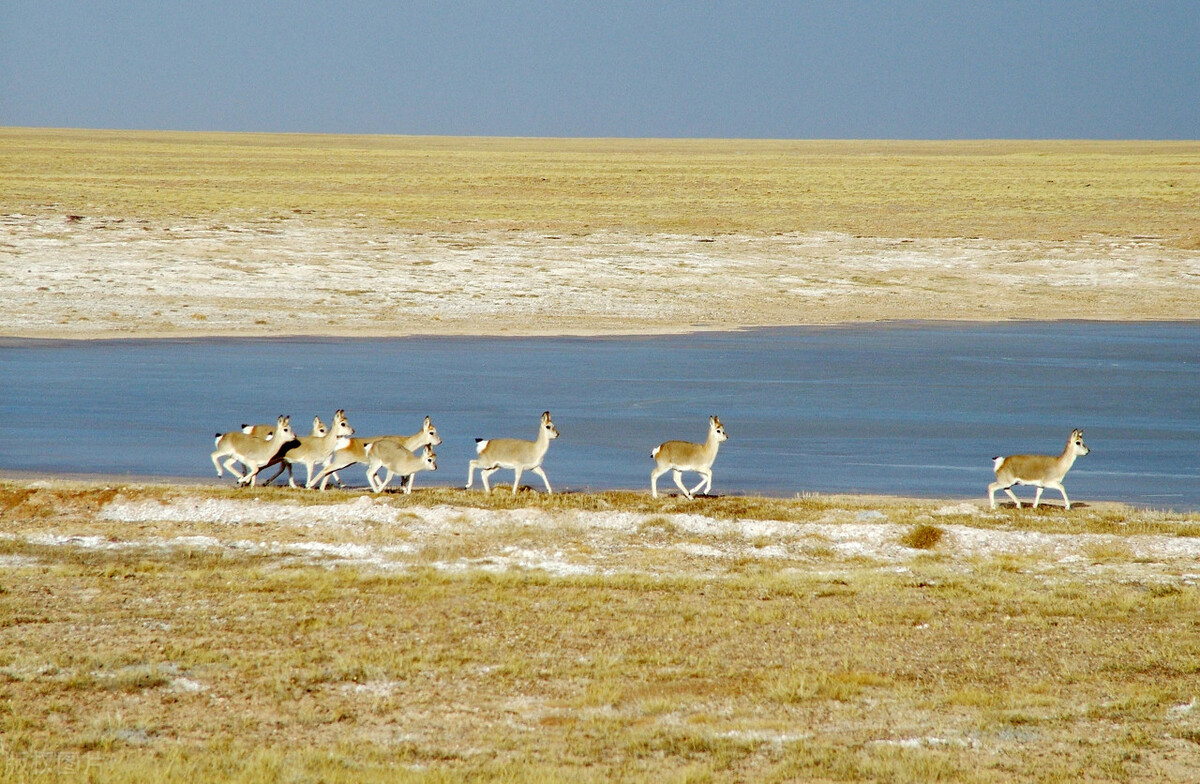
257,447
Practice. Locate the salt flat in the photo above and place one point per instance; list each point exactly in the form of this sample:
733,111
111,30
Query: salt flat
112,277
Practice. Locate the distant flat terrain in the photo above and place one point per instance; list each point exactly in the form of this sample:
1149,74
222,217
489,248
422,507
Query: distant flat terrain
182,234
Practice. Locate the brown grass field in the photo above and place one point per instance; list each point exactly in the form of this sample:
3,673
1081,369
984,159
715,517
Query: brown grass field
1027,190
171,633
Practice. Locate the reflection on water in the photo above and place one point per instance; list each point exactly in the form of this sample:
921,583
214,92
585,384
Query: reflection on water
910,409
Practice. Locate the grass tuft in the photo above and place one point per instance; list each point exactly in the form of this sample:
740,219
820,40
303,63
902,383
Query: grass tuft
923,537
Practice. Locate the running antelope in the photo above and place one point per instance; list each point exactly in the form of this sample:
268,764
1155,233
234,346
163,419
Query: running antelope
398,461
514,453
266,433
355,451
251,452
680,456
1041,471
315,448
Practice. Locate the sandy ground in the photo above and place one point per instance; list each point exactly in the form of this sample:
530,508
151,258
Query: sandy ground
112,277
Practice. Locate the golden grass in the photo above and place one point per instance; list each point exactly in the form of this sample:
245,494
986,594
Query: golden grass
1051,190
148,663
922,537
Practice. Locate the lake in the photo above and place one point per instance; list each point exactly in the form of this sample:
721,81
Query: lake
915,409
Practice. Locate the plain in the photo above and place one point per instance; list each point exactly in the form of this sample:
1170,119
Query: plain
180,634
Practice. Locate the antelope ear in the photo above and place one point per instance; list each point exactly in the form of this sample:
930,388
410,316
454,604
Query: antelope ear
428,422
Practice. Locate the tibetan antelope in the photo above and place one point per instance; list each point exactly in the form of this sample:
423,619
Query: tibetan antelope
266,433
514,453
251,452
315,448
356,452
1041,471
680,456
398,461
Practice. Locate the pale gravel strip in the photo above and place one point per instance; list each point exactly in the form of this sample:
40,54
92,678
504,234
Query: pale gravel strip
879,541
1153,558
106,276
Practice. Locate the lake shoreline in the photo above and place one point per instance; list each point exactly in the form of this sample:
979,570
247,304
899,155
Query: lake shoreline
585,496
75,280
914,323
569,499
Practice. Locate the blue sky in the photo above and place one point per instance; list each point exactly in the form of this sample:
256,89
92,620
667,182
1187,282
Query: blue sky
1102,69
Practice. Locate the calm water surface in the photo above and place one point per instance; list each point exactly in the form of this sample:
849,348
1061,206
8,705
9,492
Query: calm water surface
910,409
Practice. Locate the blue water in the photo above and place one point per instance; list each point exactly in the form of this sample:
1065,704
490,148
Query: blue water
909,409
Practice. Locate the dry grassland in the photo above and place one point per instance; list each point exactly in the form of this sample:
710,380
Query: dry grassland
999,190
188,634
197,633
123,233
